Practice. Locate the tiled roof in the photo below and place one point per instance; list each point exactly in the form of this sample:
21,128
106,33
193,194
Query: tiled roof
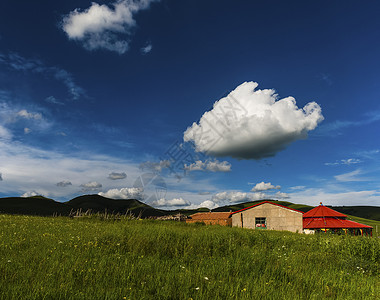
264,203
210,216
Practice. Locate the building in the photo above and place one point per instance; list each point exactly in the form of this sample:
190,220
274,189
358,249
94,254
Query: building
268,215
322,218
211,218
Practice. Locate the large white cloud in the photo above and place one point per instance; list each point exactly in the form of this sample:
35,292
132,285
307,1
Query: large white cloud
102,27
124,193
252,124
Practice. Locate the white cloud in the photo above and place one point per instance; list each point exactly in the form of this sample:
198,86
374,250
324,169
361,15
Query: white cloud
154,166
349,161
236,196
146,49
297,187
262,186
209,204
64,183
351,176
173,202
102,27
28,115
19,63
252,124
124,193
4,133
117,176
213,166
314,196
281,195
92,186
53,100
27,130
30,194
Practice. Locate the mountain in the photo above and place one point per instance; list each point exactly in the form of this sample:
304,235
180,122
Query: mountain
36,205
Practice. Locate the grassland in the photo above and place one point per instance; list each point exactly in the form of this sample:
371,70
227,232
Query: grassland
90,258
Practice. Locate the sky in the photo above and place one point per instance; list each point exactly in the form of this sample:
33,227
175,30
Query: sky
186,104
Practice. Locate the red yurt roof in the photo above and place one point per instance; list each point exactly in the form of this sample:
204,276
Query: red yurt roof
323,211
324,217
331,222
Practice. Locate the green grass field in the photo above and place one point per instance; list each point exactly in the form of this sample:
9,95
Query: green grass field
90,258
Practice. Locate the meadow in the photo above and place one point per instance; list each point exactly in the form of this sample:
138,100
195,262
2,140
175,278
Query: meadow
93,258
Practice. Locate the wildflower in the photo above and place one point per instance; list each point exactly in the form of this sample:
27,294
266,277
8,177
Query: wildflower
197,288
206,278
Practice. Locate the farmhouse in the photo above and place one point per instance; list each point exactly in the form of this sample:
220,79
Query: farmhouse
322,218
211,218
268,215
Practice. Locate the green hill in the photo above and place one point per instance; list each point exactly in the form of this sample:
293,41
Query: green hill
101,204
37,205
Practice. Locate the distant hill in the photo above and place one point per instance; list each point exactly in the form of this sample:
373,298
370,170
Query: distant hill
42,206
98,203
36,205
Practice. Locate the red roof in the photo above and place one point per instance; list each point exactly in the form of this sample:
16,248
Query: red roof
264,203
323,211
324,217
331,222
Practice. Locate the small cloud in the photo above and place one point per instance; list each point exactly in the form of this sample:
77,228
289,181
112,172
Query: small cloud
104,27
204,193
173,202
27,130
298,187
349,161
28,115
61,133
30,194
212,166
91,186
262,186
117,176
146,49
154,166
124,193
252,124
281,195
64,183
351,176
53,100
236,196
209,204
326,78
35,66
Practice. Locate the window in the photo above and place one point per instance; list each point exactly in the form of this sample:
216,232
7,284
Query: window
261,223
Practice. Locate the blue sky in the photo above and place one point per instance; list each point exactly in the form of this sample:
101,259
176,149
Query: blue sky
191,103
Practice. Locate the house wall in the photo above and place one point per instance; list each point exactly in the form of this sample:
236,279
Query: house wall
277,218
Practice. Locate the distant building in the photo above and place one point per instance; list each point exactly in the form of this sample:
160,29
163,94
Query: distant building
268,215
211,218
322,218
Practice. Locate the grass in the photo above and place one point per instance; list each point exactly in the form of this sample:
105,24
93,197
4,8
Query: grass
90,258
